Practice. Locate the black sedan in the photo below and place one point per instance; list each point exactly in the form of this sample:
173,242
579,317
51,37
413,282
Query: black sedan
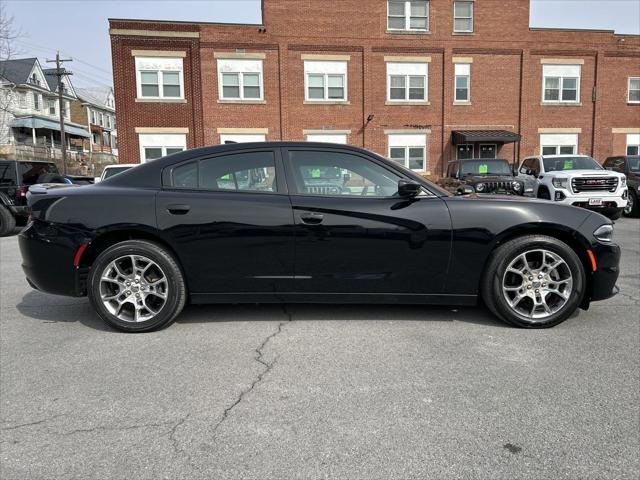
308,222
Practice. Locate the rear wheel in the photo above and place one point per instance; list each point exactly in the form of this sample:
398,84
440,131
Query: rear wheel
7,221
632,209
137,286
534,282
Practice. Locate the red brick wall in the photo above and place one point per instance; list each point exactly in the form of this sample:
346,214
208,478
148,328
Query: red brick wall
506,77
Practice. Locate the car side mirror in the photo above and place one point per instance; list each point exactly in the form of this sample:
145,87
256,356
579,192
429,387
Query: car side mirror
408,188
465,190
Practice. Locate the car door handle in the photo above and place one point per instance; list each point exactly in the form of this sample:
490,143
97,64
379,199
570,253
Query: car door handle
312,218
178,209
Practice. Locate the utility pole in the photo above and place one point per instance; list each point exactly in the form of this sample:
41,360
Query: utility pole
59,73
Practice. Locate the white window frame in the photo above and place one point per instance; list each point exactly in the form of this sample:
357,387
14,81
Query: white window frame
408,141
161,141
455,82
160,73
338,68
629,89
242,137
67,109
338,138
558,141
471,2
22,100
562,78
407,17
633,140
51,104
37,100
400,69
240,67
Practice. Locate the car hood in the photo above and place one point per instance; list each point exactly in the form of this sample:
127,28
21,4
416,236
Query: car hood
584,173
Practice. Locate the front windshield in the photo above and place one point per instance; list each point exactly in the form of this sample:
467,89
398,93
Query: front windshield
485,167
559,164
110,172
634,164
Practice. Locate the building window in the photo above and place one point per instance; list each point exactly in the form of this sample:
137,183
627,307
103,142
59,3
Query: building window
633,144
67,109
325,81
408,15
51,106
559,144
409,150
93,117
36,101
407,82
241,138
240,79
105,139
101,119
462,82
154,146
160,78
340,138
633,95
108,120
464,151
463,16
561,83
22,100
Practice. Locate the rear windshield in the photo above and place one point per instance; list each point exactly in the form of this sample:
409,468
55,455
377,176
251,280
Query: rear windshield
634,164
570,163
7,173
32,171
485,167
110,172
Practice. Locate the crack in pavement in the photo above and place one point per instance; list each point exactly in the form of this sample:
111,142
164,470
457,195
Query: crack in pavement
29,424
259,357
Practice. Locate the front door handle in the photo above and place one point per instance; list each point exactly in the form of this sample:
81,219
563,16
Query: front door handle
178,209
312,218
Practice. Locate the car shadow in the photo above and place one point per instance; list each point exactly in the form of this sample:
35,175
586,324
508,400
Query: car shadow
54,309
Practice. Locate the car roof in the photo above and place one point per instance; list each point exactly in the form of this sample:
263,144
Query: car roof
568,155
477,159
117,165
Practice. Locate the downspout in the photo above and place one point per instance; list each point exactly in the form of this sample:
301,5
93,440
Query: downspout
516,159
279,83
594,99
442,161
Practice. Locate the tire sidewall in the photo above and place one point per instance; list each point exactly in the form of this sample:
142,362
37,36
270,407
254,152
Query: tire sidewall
577,272
153,252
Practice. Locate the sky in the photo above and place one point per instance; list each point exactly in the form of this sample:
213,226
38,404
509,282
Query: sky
79,28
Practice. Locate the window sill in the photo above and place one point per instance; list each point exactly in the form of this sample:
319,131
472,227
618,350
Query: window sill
467,34
561,104
243,102
327,102
408,32
407,103
161,100
461,103
633,104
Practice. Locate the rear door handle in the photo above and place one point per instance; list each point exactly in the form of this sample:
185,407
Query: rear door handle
312,218
178,209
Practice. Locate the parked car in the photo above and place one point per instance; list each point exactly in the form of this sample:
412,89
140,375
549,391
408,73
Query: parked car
145,241
111,170
629,165
576,180
15,179
482,175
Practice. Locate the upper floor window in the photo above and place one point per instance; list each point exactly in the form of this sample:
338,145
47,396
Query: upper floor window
22,100
51,106
407,82
409,150
325,81
561,83
34,79
633,95
633,145
408,15
240,79
463,16
160,78
36,101
67,109
462,82
93,116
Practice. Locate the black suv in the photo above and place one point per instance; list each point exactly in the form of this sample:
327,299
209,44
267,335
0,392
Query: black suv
482,175
630,166
15,179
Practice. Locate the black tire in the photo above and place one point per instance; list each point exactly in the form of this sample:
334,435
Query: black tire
543,193
176,296
614,215
50,178
501,258
7,221
634,210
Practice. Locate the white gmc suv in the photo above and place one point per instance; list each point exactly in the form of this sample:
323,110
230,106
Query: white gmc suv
576,180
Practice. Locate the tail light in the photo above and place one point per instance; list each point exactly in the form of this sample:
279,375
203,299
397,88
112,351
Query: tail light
22,191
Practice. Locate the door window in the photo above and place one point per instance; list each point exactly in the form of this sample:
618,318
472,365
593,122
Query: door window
250,172
340,174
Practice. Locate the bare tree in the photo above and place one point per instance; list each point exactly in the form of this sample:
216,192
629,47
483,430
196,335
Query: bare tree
8,35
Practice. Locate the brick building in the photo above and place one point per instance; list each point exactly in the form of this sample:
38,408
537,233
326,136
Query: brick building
422,82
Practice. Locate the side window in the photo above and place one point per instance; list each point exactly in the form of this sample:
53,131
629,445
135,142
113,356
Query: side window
535,166
526,165
249,172
340,174
7,174
186,176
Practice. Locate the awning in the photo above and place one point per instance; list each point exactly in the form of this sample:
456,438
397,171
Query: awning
495,136
35,122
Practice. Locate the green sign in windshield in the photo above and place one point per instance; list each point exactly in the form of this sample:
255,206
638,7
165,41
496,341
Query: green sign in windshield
483,169
568,165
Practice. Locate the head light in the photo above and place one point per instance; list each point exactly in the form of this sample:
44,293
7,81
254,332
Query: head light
560,182
604,233
623,181
480,187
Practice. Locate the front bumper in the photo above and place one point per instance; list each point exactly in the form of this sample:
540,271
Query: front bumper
603,280
609,202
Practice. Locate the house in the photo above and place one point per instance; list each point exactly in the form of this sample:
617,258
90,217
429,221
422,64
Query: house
422,82
95,108
29,112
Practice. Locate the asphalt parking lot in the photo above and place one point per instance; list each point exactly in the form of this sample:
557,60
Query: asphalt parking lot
273,392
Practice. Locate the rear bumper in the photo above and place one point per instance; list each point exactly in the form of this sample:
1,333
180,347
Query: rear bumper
47,260
603,284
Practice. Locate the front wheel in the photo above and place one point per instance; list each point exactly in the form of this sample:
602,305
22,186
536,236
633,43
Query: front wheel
632,209
615,215
137,286
534,282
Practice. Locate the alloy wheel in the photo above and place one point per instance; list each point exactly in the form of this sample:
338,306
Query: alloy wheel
537,284
629,208
133,288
